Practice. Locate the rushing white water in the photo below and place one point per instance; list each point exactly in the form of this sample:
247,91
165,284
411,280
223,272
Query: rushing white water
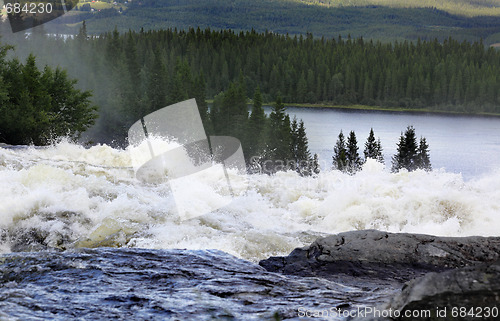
67,196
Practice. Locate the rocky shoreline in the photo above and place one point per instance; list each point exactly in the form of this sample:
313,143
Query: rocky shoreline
457,275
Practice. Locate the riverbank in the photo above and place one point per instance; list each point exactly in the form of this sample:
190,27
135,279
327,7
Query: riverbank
389,109
357,107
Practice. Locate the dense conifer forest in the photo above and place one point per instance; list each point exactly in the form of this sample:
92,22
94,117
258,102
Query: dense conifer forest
462,7
448,76
150,69
135,73
385,20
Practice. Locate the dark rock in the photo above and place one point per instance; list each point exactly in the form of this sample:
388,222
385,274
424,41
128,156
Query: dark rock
470,293
387,256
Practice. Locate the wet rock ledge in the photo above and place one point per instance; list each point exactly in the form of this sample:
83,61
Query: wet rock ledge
383,255
434,273
470,293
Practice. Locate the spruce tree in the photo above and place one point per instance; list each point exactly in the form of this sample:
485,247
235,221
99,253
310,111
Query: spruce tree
257,122
423,155
314,165
411,148
82,33
406,156
156,86
285,148
354,162
3,92
379,152
131,81
373,148
399,158
279,136
216,117
240,107
230,113
257,118
302,154
294,144
340,154
181,86
199,93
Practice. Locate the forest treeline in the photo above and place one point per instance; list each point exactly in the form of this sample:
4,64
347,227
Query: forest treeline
462,7
386,20
449,76
135,73
36,109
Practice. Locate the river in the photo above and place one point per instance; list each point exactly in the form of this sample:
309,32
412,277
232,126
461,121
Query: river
81,237
469,145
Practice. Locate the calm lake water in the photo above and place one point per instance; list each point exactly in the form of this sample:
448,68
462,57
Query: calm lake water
460,144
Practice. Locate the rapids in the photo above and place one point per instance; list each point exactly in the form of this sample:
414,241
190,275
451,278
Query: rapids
66,196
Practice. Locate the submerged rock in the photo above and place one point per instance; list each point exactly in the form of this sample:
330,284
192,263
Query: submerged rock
391,256
145,284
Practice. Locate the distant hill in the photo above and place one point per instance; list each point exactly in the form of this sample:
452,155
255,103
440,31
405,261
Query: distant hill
461,7
295,17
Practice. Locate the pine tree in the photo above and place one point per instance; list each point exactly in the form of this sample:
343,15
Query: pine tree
398,159
293,144
131,88
235,101
82,33
285,148
113,48
181,88
217,119
257,118
354,162
314,165
302,155
257,122
199,93
373,148
423,158
340,154
379,152
156,84
4,95
411,148
406,156
279,136
300,93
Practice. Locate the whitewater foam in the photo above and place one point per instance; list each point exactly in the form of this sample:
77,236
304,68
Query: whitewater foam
67,196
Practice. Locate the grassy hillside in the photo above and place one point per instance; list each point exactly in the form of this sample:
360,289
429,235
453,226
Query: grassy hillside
293,17
460,7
